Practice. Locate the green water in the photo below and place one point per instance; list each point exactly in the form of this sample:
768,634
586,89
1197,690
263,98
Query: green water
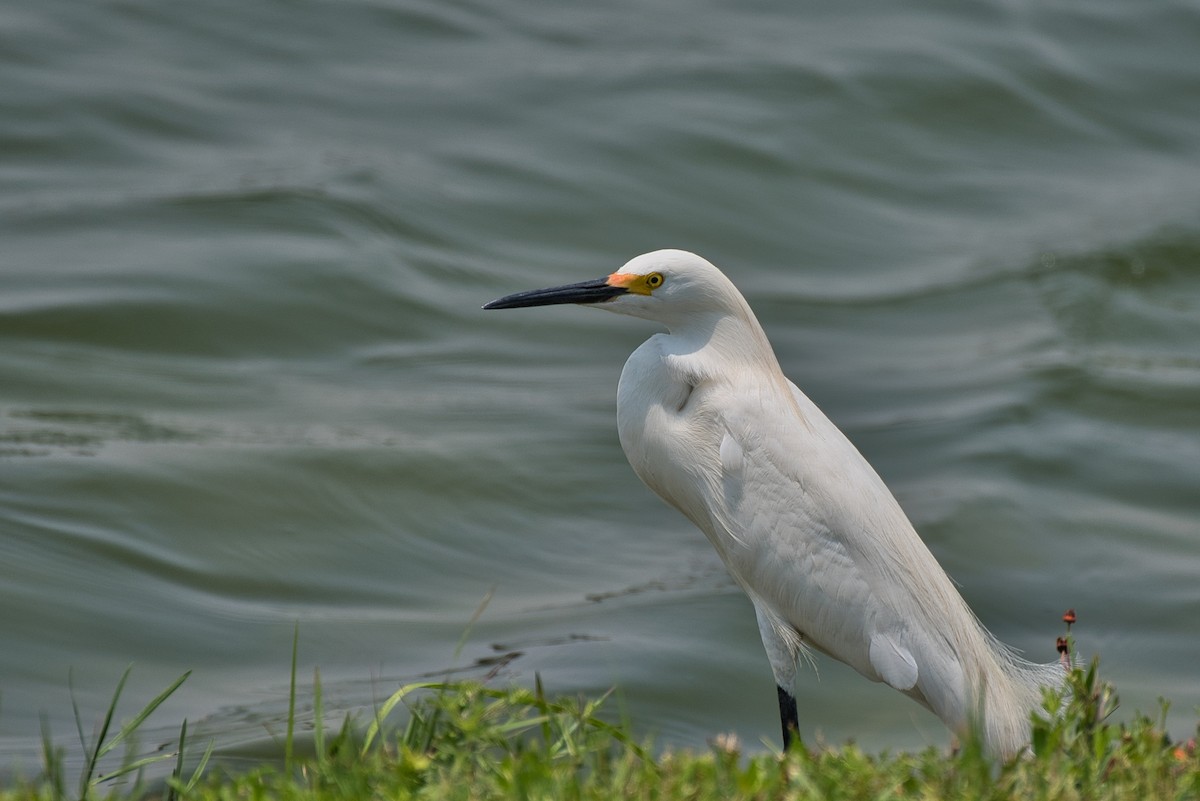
245,381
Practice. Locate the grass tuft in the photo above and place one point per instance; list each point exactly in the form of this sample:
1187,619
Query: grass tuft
53,784
473,742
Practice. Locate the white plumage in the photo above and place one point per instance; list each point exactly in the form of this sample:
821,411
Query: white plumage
802,522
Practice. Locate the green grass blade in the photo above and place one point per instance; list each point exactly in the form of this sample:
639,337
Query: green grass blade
318,716
52,756
540,695
176,786
83,743
132,766
487,599
177,774
291,717
198,773
89,770
390,704
135,723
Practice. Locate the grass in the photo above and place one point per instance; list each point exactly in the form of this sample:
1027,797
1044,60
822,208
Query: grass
473,742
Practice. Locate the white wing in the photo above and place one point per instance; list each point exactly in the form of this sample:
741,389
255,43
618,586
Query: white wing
825,544
894,662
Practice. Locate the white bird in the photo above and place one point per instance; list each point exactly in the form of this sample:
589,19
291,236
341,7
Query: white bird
803,523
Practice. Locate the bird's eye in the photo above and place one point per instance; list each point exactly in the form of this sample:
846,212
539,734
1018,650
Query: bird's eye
654,280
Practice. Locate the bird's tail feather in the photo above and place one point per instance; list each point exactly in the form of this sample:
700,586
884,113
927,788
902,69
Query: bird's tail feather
1008,697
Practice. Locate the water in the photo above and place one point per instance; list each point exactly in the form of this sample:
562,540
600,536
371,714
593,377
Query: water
245,382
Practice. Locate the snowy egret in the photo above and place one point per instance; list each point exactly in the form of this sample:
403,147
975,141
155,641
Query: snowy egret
803,523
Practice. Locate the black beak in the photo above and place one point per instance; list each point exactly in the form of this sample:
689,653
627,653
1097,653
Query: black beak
595,291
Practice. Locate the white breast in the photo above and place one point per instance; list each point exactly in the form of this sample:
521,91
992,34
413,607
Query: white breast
670,432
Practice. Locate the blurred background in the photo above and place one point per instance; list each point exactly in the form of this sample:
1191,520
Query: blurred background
246,385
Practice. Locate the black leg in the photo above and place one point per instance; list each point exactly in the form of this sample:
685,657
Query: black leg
789,717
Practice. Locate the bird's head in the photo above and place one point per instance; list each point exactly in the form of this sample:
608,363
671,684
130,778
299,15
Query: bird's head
668,286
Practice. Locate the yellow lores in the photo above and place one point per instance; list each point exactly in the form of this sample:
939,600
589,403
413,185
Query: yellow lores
636,284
